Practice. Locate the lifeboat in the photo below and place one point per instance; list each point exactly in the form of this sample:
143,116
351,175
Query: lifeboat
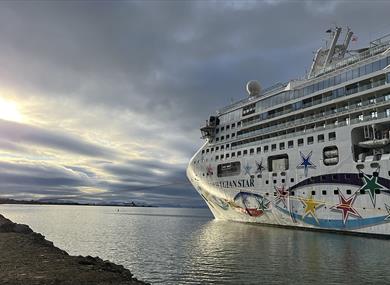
374,143
331,161
331,153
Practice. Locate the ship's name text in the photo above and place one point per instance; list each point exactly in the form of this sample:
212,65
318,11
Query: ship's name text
235,183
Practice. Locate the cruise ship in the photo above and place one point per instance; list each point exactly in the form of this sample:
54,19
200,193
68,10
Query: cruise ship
312,153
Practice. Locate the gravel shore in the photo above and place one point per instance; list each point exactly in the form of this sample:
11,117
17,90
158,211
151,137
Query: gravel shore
27,257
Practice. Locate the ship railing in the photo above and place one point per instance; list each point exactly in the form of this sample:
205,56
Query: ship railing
383,100
323,100
274,88
381,115
375,50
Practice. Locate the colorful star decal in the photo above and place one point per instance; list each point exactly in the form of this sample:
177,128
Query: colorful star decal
281,195
259,167
264,204
345,206
388,212
247,169
209,170
311,206
371,185
306,163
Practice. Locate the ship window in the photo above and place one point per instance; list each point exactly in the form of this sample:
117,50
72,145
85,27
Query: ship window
233,135
250,109
212,149
375,66
227,127
217,130
216,157
227,136
278,162
349,192
274,181
245,152
320,138
313,192
222,138
251,151
290,144
222,129
239,153
274,174
238,124
266,148
310,140
383,63
332,136
233,125
281,145
266,181
233,154
258,150
217,139
292,193
227,146
336,192
227,155
323,192
300,142
368,68
229,169
216,148
202,150
273,147
222,147
207,150
221,156
292,180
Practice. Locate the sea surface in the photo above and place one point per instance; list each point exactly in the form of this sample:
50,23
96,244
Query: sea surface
187,246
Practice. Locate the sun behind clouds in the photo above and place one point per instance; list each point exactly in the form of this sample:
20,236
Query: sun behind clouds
9,111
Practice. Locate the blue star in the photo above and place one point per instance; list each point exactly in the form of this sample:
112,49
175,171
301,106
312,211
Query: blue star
306,163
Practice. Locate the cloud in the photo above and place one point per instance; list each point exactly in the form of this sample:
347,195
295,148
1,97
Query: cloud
115,91
12,133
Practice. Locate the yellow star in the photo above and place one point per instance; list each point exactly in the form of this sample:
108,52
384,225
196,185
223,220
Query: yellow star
311,206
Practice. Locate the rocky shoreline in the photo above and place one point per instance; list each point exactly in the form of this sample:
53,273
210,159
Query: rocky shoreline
27,257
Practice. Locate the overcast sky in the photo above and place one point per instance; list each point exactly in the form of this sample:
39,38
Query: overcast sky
102,101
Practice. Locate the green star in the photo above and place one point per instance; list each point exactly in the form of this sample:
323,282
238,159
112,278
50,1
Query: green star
264,204
370,185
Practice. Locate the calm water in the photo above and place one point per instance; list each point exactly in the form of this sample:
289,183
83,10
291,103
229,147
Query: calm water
186,246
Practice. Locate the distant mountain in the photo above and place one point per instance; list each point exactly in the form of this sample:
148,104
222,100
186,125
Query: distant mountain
64,202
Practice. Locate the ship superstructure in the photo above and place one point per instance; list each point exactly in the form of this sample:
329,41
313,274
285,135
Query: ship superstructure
311,153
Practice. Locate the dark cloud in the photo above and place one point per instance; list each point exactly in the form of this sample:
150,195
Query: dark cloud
15,133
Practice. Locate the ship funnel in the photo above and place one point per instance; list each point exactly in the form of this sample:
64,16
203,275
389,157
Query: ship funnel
253,88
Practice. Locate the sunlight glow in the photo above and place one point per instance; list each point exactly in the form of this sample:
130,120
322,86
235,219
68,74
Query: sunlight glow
9,111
